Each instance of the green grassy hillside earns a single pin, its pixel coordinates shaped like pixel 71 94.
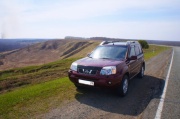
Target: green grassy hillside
pixel 30 91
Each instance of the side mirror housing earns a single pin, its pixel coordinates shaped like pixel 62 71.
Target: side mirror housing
pixel 88 54
pixel 133 58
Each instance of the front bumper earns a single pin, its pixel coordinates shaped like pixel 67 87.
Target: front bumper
pixel 99 80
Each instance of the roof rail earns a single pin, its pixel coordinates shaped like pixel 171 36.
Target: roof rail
pixel 132 42
pixel 106 42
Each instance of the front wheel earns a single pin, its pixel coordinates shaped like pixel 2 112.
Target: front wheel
pixel 123 88
pixel 79 87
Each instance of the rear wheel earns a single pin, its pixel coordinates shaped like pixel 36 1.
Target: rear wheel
pixel 141 73
pixel 123 88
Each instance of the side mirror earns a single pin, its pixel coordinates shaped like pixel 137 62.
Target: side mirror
pixel 133 58
pixel 88 54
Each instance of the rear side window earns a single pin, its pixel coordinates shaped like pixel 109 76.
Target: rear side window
pixel 140 49
pixel 132 52
pixel 137 50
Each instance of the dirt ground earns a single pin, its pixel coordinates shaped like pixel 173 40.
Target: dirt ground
pixel 105 104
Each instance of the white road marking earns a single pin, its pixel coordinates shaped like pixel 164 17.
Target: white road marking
pixel 161 103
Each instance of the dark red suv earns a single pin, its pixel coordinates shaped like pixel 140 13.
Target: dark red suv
pixel 111 64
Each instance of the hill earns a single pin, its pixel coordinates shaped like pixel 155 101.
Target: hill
pixel 52 50
pixel 46 52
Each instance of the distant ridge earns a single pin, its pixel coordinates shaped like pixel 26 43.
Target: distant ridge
pixel 168 43
pixel 158 42
pixel 12 44
pixel 75 38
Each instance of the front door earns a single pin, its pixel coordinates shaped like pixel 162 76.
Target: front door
pixel 132 63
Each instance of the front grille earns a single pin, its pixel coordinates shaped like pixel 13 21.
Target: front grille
pixel 88 69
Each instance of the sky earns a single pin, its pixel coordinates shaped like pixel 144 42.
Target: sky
pixel 130 19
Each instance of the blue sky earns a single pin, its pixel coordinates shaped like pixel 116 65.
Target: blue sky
pixel 137 19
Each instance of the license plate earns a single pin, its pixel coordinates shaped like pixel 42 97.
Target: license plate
pixel 91 83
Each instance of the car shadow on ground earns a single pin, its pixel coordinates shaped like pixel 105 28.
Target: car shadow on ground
pixel 140 93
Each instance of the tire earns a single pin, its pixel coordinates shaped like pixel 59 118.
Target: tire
pixel 79 87
pixel 123 88
pixel 141 73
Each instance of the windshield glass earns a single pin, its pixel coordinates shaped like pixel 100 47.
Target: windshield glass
pixel 109 52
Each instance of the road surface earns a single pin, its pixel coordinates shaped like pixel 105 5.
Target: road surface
pixel 171 108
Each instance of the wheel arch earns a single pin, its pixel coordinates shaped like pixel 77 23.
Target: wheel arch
pixel 126 74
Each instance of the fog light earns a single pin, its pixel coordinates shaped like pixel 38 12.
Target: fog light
pixel 109 83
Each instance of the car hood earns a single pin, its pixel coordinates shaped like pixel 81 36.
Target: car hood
pixel 98 62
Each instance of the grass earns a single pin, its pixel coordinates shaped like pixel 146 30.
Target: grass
pixel 153 51
pixel 58 65
pixel 34 90
pixel 13 78
pixel 35 97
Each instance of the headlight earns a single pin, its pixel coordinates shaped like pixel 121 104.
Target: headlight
pixel 108 70
pixel 73 66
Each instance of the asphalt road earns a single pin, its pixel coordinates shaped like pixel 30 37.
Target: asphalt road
pixel 171 108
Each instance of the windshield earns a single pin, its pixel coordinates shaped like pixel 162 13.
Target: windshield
pixel 109 52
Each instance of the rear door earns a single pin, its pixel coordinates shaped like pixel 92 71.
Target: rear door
pixel 139 55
